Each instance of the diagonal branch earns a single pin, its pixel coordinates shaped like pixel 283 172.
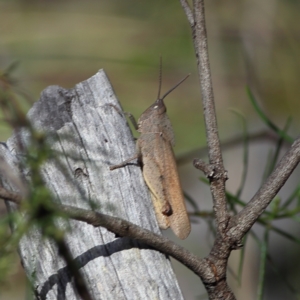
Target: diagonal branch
pixel 244 220
pixel 123 228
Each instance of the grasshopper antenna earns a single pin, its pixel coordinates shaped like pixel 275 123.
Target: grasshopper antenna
pixel 160 76
pixel 174 87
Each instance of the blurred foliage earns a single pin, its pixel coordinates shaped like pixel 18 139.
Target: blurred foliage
pixel 37 209
pixel 65 42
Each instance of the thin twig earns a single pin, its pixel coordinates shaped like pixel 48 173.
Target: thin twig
pixel 188 11
pixel 217 185
pixel 201 47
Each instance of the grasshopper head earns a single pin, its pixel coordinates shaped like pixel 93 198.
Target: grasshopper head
pixel 158 108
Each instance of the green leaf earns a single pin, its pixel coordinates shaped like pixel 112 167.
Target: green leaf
pixel 281 276
pixel 262 265
pixel 241 262
pixel 245 153
pixel 11 67
pixel 191 201
pixel 273 161
pixel 295 193
pixel 280 232
pixel 265 119
pixel 275 206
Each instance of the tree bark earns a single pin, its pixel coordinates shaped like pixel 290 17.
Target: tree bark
pixel 88 131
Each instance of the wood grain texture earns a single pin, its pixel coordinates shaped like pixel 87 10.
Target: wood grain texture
pixel 91 135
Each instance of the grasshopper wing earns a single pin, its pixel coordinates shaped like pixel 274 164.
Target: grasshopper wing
pixel 161 175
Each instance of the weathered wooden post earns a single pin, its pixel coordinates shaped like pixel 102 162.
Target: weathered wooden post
pixel 90 135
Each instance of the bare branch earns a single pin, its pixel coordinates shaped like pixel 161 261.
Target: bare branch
pixel 214 149
pixel 230 232
pixel 207 169
pixel 243 221
pixel 188 11
pixel 123 228
pixel 201 47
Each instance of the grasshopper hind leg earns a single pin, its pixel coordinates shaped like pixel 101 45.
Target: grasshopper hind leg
pixel 162 207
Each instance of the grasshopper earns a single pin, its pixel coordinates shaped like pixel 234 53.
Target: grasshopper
pixel 155 153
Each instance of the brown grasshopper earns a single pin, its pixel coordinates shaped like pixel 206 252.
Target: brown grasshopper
pixel 155 153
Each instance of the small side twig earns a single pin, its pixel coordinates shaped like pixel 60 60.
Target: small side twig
pixel 207 169
pixel 188 11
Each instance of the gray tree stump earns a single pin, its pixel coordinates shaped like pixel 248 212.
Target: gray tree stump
pixel 92 134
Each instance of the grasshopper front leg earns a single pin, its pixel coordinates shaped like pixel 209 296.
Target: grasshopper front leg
pixel 124 163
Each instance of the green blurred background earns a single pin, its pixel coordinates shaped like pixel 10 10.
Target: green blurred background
pixel 63 42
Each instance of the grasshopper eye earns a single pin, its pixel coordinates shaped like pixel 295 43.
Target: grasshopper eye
pixel 159 109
